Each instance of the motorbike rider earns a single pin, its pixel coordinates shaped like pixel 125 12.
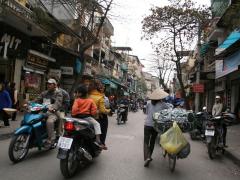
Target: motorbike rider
pixel 86 108
pixel 53 98
pixel 124 100
pixel 157 104
pixel 217 111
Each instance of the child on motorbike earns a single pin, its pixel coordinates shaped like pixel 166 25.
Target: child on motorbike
pixel 85 108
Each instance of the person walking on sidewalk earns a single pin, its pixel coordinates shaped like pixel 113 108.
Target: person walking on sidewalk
pixel 6 102
pixel 157 104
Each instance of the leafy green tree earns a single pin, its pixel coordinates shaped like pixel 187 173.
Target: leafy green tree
pixel 174 28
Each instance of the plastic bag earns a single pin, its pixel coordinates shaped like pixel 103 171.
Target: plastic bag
pixel 173 140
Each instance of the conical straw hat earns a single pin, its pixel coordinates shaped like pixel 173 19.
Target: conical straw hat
pixel 158 94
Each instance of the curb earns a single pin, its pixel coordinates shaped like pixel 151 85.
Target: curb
pixel 232 157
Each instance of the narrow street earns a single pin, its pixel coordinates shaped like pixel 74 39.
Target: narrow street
pixel 123 160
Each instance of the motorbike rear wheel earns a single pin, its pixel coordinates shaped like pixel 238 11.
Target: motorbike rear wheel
pixel 70 165
pixel 19 145
pixel 211 149
pixel 172 162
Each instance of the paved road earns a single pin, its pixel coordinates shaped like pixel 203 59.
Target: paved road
pixel 123 161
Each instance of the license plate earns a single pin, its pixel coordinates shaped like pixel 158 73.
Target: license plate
pixel 64 143
pixel 209 132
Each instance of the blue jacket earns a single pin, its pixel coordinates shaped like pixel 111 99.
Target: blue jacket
pixel 5 100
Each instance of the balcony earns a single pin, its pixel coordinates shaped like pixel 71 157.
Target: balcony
pixel 20 17
pixel 213 32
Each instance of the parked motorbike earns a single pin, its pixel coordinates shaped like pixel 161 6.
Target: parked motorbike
pixel 215 133
pixel 32 132
pixel 121 114
pixel 198 122
pixel 76 146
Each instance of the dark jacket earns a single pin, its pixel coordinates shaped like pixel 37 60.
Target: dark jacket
pixel 56 98
pixel 5 100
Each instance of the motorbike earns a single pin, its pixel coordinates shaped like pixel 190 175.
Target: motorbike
pixel 76 146
pixel 198 122
pixel 121 114
pixel 215 133
pixel 32 132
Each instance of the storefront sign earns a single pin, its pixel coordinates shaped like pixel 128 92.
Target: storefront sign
pixel 67 70
pixel 55 73
pixel 36 61
pixel 13 43
pixel 198 88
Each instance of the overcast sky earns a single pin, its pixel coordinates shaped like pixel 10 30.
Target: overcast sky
pixel 126 17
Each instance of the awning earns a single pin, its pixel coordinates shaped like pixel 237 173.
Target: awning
pixel 44 56
pixel 108 82
pixel 229 41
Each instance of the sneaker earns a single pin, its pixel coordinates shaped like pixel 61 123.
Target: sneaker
pixel 147 162
pixel 47 145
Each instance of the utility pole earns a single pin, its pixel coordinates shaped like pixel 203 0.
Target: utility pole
pixel 198 68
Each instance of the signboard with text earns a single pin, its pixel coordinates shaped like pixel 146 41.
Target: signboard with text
pixel 198 88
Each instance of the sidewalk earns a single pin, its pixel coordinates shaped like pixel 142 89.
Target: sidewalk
pixel 6 132
pixel 233 142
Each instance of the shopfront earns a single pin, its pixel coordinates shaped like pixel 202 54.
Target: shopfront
pixel 13 49
pixel 228 75
pixel 34 74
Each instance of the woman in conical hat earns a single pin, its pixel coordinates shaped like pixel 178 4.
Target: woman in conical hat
pixel 155 105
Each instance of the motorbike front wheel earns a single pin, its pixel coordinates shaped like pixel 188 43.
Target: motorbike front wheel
pixel 70 165
pixel 18 148
pixel 211 149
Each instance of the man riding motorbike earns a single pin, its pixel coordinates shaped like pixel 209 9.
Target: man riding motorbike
pixel 53 98
pixel 124 100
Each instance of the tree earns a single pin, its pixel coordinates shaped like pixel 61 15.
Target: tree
pixel 176 26
pixel 163 67
pixel 89 17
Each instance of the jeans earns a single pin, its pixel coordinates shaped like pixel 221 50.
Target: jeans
pixel 4 117
pixel 149 141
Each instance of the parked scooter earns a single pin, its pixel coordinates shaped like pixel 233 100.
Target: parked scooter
pixel 198 122
pixel 215 133
pixel 32 132
pixel 121 114
pixel 76 146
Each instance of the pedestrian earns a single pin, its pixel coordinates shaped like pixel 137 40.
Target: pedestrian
pixel 96 93
pixel 155 105
pixel 6 102
pixel 14 97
